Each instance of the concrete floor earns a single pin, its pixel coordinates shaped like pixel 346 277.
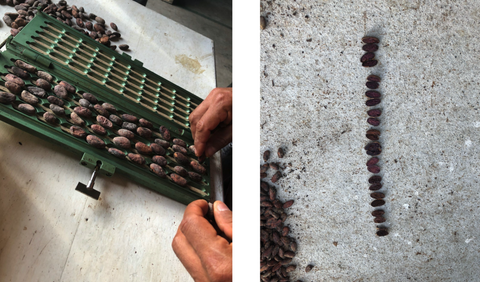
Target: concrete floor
pixel 214 23
pixel 313 103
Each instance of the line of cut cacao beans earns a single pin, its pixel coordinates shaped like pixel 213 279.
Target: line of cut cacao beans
pixel 73 16
pixel 277 248
pixel 374 148
pixel 368 59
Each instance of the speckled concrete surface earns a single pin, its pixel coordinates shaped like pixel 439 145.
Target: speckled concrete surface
pixel 313 103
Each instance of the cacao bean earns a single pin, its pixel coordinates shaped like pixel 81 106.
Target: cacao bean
pixel 98 129
pixel 78 132
pixel 83 112
pixel 276 176
pixel 144 132
pixel 291 268
pixel 159 160
pixel 372 161
pixel 158 170
pixel 179 142
pixel 59 111
pixel 165 133
pixel 114 26
pixel 373 121
pixel 76 119
pixel 70 88
pixel 105 40
pixel 375 186
pixel 382 232
pixel 45 76
pixel 123 47
pixel 20 22
pixel 37 91
pixel 126 133
pixel 373 134
pixel 374 78
pixel 377 203
pixel 378 213
pixel 15 79
pixel 373 169
pixel 143 148
pixel 80 22
pixel 308 268
pixel 195 176
pixel 115 119
pixel 60 91
pixel 29 98
pixel 180 171
pixel 263 175
pixel 370 39
pixel 55 100
pixel 13 87
pixel 198 167
pixel 84 103
pixel 26 109
pixel 93 35
pixel 145 123
pixel 42 83
pixel 50 118
pixel 181 159
pixel 157 149
pixel 100 20
pixel 103 121
pixel 280 153
pixel 101 110
pixel 14 32
pixel 163 143
pixel 373 102
pixel 178 179
pixel 379 219
pixel 367 57
pixel 122 142
pixel 264 168
pixel 373 148
pixel 99 28
pixel 130 126
pixel 377 195
pixel 136 158
pixel 92 99
pixel 109 107
pixel 180 149
pixel 117 153
pixel 372 84
pixel 287 204
pixel 374 112
pixel 8 21
pixel 89 26
pixel 370 47
pixel 129 118
pixel 20 72
pixel 375 179
pixel 6 98
pixel 370 63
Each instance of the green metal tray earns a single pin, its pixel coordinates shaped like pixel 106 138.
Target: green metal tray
pixel 71 56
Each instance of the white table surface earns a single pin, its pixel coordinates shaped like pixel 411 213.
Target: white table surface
pixel 50 232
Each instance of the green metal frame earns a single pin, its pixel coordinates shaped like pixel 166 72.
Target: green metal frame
pixel 18 48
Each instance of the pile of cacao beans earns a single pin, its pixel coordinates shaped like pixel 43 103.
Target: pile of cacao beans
pixel 277 248
pixel 88 23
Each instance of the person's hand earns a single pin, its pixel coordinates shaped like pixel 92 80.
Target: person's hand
pixel 211 122
pixel 205 255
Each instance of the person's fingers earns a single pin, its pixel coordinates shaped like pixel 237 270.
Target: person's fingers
pixel 186 254
pixel 196 208
pixel 210 120
pixel 219 139
pixel 195 116
pixel 223 218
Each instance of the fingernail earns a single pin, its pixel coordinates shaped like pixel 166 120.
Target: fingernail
pixel 222 207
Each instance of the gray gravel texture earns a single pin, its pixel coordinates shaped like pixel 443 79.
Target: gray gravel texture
pixel 313 104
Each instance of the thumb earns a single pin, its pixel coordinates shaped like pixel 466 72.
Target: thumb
pixel 223 218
